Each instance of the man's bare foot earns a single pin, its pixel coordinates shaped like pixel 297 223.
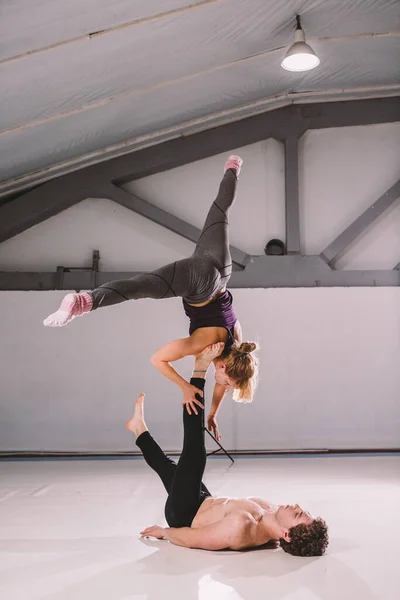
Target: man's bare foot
pixel 210 353
pixel 137 424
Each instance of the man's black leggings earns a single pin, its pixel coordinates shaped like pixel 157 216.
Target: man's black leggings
pixel 183 481
pixel 196 279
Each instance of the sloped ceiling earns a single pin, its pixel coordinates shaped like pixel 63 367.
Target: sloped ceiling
pixel 85 81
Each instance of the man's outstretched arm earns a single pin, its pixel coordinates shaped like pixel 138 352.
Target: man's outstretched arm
pixel 230 532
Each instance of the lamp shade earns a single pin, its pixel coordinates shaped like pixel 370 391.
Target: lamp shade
pixel 300 56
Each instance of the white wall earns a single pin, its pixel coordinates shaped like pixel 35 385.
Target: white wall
pixel 330 357
pixel 341 173
pixel 330 372
pixel 130 242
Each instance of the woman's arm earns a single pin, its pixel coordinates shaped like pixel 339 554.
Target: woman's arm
pixel 219 393
pixel 174 351
pixel 237 332
pixel 218 396
pixel 190 346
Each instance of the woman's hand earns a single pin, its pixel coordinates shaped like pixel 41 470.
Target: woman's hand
pixel 189 398
pixel 212 426
pixel 155 531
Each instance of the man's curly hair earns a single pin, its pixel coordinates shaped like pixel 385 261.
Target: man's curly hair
pixel 307 540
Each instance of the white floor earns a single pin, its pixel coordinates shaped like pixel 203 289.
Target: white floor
pixel 69 530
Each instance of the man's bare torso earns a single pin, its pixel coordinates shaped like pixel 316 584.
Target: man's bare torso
pixel 243 515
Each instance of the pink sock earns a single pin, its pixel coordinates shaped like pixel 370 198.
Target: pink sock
pixel 234 162
pixel 73 305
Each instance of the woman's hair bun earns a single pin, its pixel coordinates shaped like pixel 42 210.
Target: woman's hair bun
pixel 247 347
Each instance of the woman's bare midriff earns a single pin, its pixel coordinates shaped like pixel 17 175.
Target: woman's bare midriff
pixel 213 509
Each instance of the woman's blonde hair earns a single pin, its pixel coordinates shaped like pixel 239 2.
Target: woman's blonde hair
pixel 242 366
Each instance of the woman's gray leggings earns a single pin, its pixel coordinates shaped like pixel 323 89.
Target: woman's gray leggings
pixel 197 278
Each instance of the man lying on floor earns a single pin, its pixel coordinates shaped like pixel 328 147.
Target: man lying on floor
pixel 197 519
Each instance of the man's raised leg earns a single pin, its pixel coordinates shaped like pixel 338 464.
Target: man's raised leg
pixel 152 453
pixel 187 490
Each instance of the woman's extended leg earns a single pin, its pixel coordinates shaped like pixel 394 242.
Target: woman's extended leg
pixel 197 278
pixel 214 238
pixel 182 278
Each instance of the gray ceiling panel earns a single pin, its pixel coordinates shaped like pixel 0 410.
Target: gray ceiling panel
pixel 67 138
pixel 43 23
pixel 28 26
pixel 115 122
pixel 95 70
pixel 165 68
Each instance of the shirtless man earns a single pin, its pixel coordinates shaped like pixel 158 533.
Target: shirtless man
pixel 197 519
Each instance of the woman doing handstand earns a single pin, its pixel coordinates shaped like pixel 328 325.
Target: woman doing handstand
pixel 201 281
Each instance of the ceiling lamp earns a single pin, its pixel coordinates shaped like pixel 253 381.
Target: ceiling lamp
pixel 300 56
